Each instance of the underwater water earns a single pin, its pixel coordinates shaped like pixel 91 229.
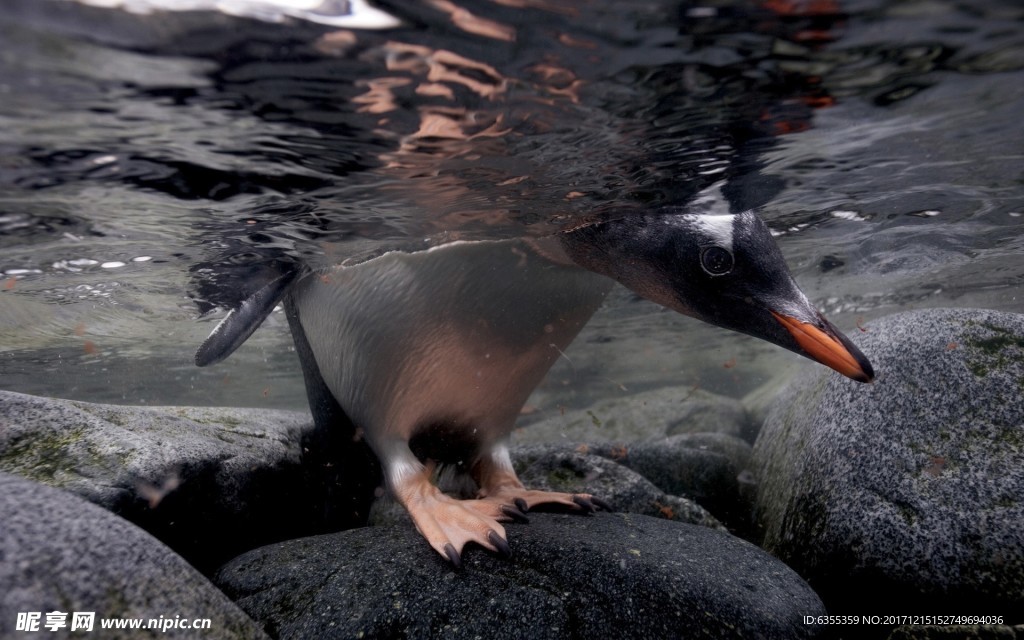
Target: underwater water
pixel 152 164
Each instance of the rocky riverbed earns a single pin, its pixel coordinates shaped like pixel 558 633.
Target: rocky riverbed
pixel 757 518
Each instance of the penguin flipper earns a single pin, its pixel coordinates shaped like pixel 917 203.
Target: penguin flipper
pixel 240 323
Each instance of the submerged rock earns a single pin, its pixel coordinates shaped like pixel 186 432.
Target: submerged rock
pixel 604 576
pixel 648 415
pixel 209 482
pixel 708 468
pixel 556 468
pixel 59 553
pixel 909 491
pixel 759 401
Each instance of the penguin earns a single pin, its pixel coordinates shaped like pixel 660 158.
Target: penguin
pixel 431 354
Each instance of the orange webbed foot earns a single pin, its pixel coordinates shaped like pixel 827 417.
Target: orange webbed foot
pixel 449 524
pixel 500 485
pixel 527 499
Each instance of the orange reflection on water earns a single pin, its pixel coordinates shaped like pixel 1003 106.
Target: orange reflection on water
pixel 440 65
pixel 379 97
pixel 470 23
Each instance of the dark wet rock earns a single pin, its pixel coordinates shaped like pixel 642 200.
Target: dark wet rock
pixel 909 490
pixel 557 468
pixel 707 468
pixel 736 450
pixel 61 553
pixel 648 415
pixel 680 466
pixel 603 576
pixel 209 482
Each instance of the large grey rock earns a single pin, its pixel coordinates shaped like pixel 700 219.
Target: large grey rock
pixel 209 482
pixel 603 576
pixel 61 553
pixel 909 490
pixel 648 415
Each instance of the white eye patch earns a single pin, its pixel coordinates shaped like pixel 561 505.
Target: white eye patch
pixel 716 227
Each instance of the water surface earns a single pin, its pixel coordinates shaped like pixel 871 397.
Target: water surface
pixel 151 164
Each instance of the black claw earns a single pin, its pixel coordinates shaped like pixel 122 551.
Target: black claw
pixel 601 504
pixel 583 503
pixel 514 513
pixel 453 555
pixel 521 503
pixel 499 543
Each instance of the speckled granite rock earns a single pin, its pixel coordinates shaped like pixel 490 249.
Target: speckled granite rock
pixel 649 415
pixel 603 576
pixel 61 553
pixel 909 491
pixel 209 482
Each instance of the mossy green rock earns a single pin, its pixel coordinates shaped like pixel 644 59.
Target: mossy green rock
pixel 908 492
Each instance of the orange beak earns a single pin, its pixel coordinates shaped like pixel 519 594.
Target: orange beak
pixel 832 350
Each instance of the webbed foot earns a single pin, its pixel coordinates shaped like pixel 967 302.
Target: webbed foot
pixel 500 485
pixel 527 499
pixel 449 524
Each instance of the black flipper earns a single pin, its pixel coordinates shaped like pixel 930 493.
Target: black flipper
pixel 239 324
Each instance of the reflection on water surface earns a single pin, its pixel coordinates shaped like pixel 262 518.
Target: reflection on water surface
pixel 154 161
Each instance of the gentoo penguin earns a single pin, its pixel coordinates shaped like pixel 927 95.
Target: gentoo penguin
pixel 431 354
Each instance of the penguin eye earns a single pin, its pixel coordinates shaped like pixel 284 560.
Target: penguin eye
pixel 716 261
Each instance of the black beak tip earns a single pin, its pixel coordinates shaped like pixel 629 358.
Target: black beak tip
pixel 868 372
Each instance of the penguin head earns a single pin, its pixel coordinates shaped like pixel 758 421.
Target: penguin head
pixel 726 270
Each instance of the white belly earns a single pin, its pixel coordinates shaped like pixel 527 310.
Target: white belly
pixel 454 337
